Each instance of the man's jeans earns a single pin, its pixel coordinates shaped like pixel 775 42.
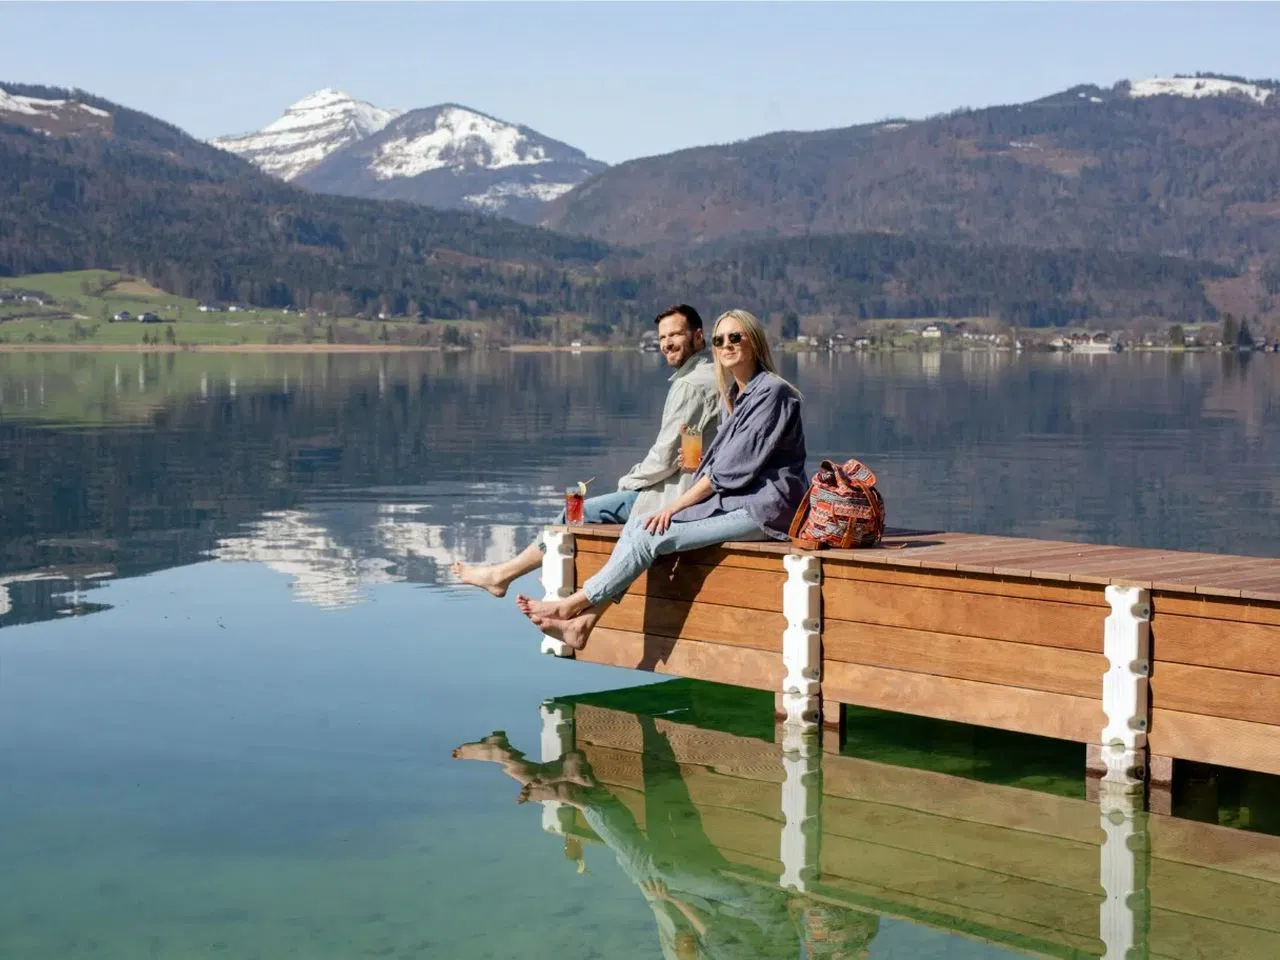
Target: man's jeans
pixel 607 508
pixel 636 549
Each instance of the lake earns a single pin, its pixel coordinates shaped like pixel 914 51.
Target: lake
pixel 234 668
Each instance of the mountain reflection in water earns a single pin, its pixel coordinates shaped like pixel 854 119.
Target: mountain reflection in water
pixel 742 847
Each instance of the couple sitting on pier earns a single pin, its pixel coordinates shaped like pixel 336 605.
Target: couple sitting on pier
pixel 748 486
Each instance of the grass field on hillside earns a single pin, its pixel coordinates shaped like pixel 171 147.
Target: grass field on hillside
pixel 82 303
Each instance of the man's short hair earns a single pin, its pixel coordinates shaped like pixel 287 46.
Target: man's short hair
pixel 690 315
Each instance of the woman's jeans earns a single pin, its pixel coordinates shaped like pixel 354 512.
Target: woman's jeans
pixel 636 549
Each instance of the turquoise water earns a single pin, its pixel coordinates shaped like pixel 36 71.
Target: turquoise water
pixel 233 669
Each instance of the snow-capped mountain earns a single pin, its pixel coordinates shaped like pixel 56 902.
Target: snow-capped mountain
pixel 309 131
pixel 443 156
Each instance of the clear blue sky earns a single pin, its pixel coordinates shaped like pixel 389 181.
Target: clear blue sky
pixel 621 80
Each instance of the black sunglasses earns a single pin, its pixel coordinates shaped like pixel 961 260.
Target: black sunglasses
pixel 718 340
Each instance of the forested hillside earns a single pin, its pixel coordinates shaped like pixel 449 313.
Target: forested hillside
pixel 1183 175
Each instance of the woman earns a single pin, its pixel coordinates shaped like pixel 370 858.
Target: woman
pixel 748 487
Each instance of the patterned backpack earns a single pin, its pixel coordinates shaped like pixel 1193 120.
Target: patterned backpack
pixel 842 509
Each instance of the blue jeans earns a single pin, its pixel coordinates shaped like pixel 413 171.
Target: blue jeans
pixel 637 548
pixel 607 508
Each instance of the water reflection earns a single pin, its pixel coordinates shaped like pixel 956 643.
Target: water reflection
pixel 332 553
pixel 744 847
pixel 345 471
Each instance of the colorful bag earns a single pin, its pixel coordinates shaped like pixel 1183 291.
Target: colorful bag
pixel 842 509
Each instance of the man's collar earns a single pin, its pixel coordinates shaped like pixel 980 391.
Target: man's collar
pixel 693 361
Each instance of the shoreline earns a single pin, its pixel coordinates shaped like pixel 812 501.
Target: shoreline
pixel 219 348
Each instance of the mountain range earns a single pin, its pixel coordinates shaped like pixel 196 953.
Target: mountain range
pixel 1186 166
pixel 446 156
pixel 1155 199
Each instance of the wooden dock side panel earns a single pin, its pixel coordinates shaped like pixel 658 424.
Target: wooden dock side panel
pixel 965 701
pixel 740 666
pixel 931 647
pixel 1215 680
pixel 992 631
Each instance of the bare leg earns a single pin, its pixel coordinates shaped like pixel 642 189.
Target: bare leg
pixel 496 577
pixel 562 791
pixel 570 606
pixel 574 632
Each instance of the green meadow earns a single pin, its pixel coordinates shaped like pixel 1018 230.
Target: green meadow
pixel 82 303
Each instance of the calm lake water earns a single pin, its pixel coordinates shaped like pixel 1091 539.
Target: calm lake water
pixel 233 668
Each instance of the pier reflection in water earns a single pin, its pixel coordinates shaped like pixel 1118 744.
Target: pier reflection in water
pixel 747 847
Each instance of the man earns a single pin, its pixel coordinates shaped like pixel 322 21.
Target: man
pixel 657 480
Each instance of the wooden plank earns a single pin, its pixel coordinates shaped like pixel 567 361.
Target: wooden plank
pixel 717 662
pixel 941 580
pixel 1226 644
pixel 742 757
pixel 1227 743
pixel 1185 935
pixel 1232 899
pixel 966 701
pixel 940 794
pixel 968 922
pixel 712 789
pixel 1221 849
pixel 613 767
pixel 1216 693
pixel 677 579
pixel 708 622
pixel 1024 665
pixel 959 888
pixel 1038 857
pixel 1016 619
pixel 1240 611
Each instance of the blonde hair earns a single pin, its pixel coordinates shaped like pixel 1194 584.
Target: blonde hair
pixel 753 330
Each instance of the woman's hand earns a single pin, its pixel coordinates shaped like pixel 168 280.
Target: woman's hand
pixel 657 523
pixel 680 461
pixel 656 889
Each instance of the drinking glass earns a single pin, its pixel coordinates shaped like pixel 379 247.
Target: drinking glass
pixel 573 501
pixel 691 447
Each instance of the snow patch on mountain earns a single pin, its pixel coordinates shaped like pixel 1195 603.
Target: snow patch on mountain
pixel 500 195
pixel 35 107
pixel 1197 87
pixel 309 131
pixel 460 139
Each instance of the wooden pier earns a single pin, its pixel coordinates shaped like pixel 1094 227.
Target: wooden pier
pixel 1044 874
pixel 1146 656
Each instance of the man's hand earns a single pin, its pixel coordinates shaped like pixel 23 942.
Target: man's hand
pixel 680 461
pixel 657 523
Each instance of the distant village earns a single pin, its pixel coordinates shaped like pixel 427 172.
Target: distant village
pixel 835 335
pixel 980 334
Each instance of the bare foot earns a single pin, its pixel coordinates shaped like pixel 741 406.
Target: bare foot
pixel 554 609
pixel 494 748
pixel 479 575
pixel 572 632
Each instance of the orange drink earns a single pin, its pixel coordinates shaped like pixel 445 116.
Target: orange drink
pixel 691 447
